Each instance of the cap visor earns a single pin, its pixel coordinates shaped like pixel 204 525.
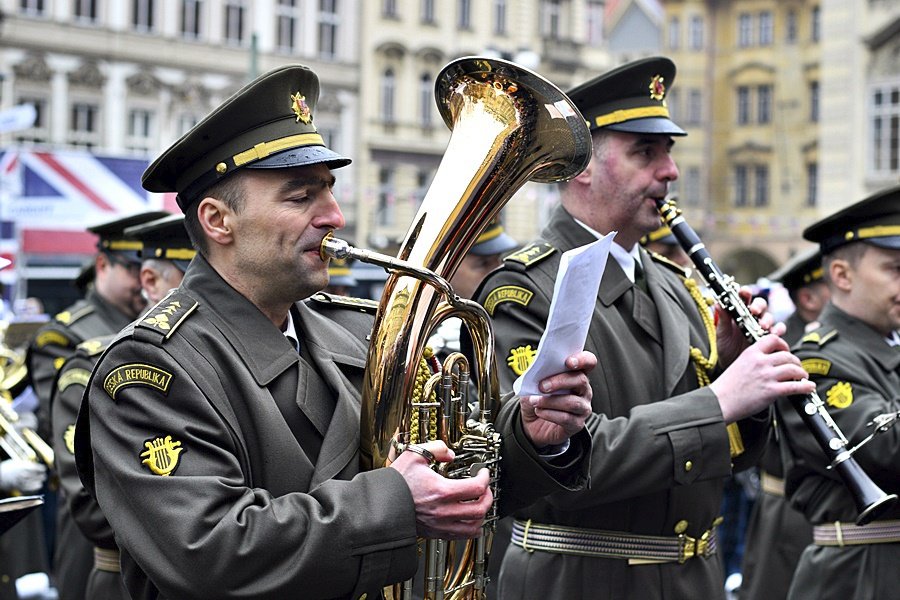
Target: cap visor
pixel 300 157
pixel 498 245
pixel 655 125
pixel 892 243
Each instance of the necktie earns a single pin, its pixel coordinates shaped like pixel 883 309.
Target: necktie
pixel 640 280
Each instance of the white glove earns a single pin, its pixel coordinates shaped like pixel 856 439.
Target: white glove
pixel 27 420
pixel 22 475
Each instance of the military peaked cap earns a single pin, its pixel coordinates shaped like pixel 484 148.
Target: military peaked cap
pixel 803 269
pixel 629 98
pixel 663 235
pixel 875 220
pixel 267 124
pixel 493 240
pixel 165 238
pixel 339 273
pixel 112 239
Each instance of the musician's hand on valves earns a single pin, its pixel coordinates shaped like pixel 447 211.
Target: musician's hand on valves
pixel 445 508
pixel 553 418
pixel 761 374
pixel 731 341
pixel 22 475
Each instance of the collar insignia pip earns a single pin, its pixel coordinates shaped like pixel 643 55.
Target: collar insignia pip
pixel 301 108
pixel 520 359
pixel 840 395
pixel 161 455
pixel 658 87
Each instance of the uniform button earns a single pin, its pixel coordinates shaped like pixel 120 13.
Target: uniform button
pixel 681 526
pixel 688 466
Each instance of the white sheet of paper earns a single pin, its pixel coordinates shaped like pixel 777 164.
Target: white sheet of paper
pixel 574 297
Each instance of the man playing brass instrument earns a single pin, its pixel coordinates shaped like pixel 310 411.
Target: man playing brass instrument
pixel 220 432
pixel 646 527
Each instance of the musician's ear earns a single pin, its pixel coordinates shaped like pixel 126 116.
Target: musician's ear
pixel 840 273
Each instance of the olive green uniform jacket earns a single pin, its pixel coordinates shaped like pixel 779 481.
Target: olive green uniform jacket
pixel 777 532
pixel 660 447
pixel 83 510
pixel 187 442
pixel 56 341
pixel 856 375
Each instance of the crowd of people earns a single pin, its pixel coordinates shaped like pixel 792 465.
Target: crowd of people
pixel 203 400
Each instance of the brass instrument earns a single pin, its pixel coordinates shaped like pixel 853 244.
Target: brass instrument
pixel 509 125
pixel 24 443
pixel 871 501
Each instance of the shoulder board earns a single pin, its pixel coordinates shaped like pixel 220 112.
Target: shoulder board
pixel 350 302
pixel 168 314
pixel 95 346
pixel 531 255
pixel 672 266
pixel 819 337
pixel 67 317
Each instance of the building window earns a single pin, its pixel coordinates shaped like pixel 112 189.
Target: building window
pixel 765 28
pixel 191 12
pixel 388 90
pixel 386 197
pixel 389 9
pixel 142 15
pixel 464 18
pixel 743 105
pixel 84 124
pixel 500 17
pixel 695 107
pixel 426 100
pixel 885 111
pixel 674 33
pixel 761 187
pixel 141 130
pixel 764 104
pixel 790 28
pixel 673 102
pixel 595 23
pixel 34 8
pixel 815 24
pixel 328 28
pixel 745 30
pixel 691 196
pixel 428 12
pixel 39 132
pixel 186 122
pixel 812 190
pixel 695 33
pixel 740 186
pixel 235 16
pixel 287 19
pixel 85 11
pixel 814 101
pixel 550 19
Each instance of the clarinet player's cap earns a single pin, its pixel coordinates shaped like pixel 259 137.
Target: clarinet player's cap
pixel 874 220
pixel 267 124
pixel 630 98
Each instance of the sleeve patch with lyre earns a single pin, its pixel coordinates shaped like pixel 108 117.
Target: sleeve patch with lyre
pixel 520 359
pixel 161 455
pixel 840 395
pixel 816 366
pixel 507 293
pixel 73 377
pixel 137 374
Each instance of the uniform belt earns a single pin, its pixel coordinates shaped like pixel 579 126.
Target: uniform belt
pixel 771 485
pixel 850 534
pixel 106 559
pixel 638 549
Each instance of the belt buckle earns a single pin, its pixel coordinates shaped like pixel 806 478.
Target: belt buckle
pixel 690 547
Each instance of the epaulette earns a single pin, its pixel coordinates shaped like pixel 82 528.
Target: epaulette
pixel 67 318
pixel 95 346
pixel 531 255
pixel 669 264
pixel 819 337
pixel 360 304
pixel 168 314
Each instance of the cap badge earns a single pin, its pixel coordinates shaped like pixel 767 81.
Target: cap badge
pixel 657 87
pixel 161 455
pixel 301 108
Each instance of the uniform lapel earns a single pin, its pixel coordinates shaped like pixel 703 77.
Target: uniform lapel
pixel 676 340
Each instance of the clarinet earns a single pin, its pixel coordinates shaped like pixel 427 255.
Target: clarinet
pixel 871 501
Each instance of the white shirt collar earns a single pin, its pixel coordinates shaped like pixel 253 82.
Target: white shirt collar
pixel 893 339
pixel 625 258
pixel 290 332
